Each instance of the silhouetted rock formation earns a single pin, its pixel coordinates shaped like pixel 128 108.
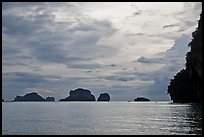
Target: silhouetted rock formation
pixel 29 97
pixel 187 84
pixel 104 97
pixel 79 95
pixel 141 99
pixel 50 99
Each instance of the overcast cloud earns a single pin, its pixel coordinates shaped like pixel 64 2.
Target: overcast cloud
pixel 127 49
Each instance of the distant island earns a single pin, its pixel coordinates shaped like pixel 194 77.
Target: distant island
pixel 32 97
pixel 104 97
pixel 29 97
pixel 79 94
pixel 50 99
pixel 141 99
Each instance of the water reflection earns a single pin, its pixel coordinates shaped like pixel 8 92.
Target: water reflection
pixel 195 117
pixel 188 120
pixel 111 118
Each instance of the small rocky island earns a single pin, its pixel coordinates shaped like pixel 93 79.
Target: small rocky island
pixel 29 97
pixel 50 99
pixel 32 97
pixel 79 94
pixel 141 99
pixel 104 97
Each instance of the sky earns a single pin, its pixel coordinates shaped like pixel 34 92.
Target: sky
pixel 126 49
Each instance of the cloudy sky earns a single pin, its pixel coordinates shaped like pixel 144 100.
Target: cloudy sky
pixel 127 49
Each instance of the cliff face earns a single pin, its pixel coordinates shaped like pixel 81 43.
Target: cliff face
pixel 194 60
pixel 187 84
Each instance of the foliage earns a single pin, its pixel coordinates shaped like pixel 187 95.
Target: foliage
pixel 186 86
pixel 181 87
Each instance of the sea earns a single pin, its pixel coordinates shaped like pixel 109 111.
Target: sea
pixel 101 118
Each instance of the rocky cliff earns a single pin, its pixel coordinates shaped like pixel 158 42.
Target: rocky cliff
pixel 50 99
pixel 104 97
pixel 141 99
pixel 187 84
pixel 79 95
pixel 29 97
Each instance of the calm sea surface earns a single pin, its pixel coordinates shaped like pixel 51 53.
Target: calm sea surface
pixel 101 118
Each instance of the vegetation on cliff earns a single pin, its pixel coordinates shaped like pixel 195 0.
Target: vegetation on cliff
pixel 186 86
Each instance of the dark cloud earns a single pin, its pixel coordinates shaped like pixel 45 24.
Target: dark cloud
pixel 139 12
pixel 189 23
pixel 84 65
pixel 12 24
pixel 170 26
pixel 38 38
pixel 13 63
pixel 154 35
pixel 135 34
pixel 119 78
pixel 83 27
pixel 88 71
pixel 149 60
pixel 112 65
pixel 139 34
pixel 34 37
pixel 181 30
pixel 66 44
pixel 23 77
pixel 18 25
pixel 51 53
pixel 123 76
pixel 8 50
